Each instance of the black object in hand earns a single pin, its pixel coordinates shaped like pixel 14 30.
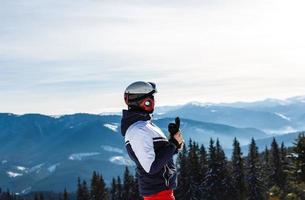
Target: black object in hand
pixel 173 128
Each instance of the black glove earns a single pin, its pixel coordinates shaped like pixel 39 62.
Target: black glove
pixel 173 128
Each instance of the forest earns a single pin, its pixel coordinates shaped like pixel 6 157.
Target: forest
pixel 276 173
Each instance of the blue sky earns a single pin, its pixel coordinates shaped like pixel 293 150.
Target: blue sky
pixel 69 56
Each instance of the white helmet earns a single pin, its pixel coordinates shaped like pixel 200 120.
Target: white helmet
pixel 140 94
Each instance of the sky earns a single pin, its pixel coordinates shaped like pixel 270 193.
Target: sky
pixel 68 56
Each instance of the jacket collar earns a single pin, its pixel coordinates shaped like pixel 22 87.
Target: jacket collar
pixel 131 116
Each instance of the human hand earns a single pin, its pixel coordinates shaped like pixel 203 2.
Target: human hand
pixel 173 128
pixel 175 134
pixel 179 138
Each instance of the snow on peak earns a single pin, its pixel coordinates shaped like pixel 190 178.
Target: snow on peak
pixel 52 168
pixel 56 116
pixel 21 168
pixel 37 168
pixel 120 160
pixel 80 156
pixel 111 149
pixel 296 99
pixel 197 103
pixel 110 113
pixel 13 174
pixel 113 126
pixel 283 116
pixel 26 190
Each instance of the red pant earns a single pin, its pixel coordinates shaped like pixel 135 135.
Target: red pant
pixel 163 195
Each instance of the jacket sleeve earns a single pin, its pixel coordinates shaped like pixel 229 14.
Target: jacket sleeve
pixel 162 157
pixel 143 147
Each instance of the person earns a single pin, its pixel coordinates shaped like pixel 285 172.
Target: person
pixel 147 145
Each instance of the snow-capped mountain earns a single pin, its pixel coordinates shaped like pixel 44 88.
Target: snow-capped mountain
pixel 39 152
pixel 238 117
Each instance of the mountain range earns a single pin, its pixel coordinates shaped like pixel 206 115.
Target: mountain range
pixel 40 152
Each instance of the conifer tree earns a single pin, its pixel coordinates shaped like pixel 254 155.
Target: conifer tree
pixel 193 167
pixel 103 188
pixel 113 190
pixel 94 192
pixel 277 175
pixel 210 181
pixel 256 189
pixel 203 163
pixel 238 174
pixel 66 197
pixel 225 188
pixel 283 154
pixel 36 197
pixel 135 189
pixel 86 194
pixel 127 184
pixel 266 168
pixel 299 150
pixel 296 168
pixel 119 188
pixel 183 189
pixel 80 193
pixel 285 168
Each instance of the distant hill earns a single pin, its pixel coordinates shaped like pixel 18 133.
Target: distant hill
pixel 288 140
pixel 238 117
pixel 39 152
pixel 202 131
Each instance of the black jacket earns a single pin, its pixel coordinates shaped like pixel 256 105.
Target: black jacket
pixel 148 147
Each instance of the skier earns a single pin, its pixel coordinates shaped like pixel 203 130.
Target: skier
pixel 147 145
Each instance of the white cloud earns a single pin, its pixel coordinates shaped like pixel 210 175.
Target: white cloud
pixel 72 56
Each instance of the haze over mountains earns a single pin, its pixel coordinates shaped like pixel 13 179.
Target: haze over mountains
pixel 39 152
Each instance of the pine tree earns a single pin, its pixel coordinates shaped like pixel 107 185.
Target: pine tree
pixel 210 181
pixel 266 168
pixel 295 172
pixel 277 174
pixel 113 190
pixel 36 197
pixel 183 189
pixel 256 189
pixel 285 168
pixel 299 150
pixel 80 193
pixel 193 167
pixel 119 188
pixel 135 189
pixel 238 174
pixel 66 197
pixel 94 193
pixel 203 163
pixel 283 154
pixel 103 192
pixel 225 188
pixel 127 184
pixel 86 194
